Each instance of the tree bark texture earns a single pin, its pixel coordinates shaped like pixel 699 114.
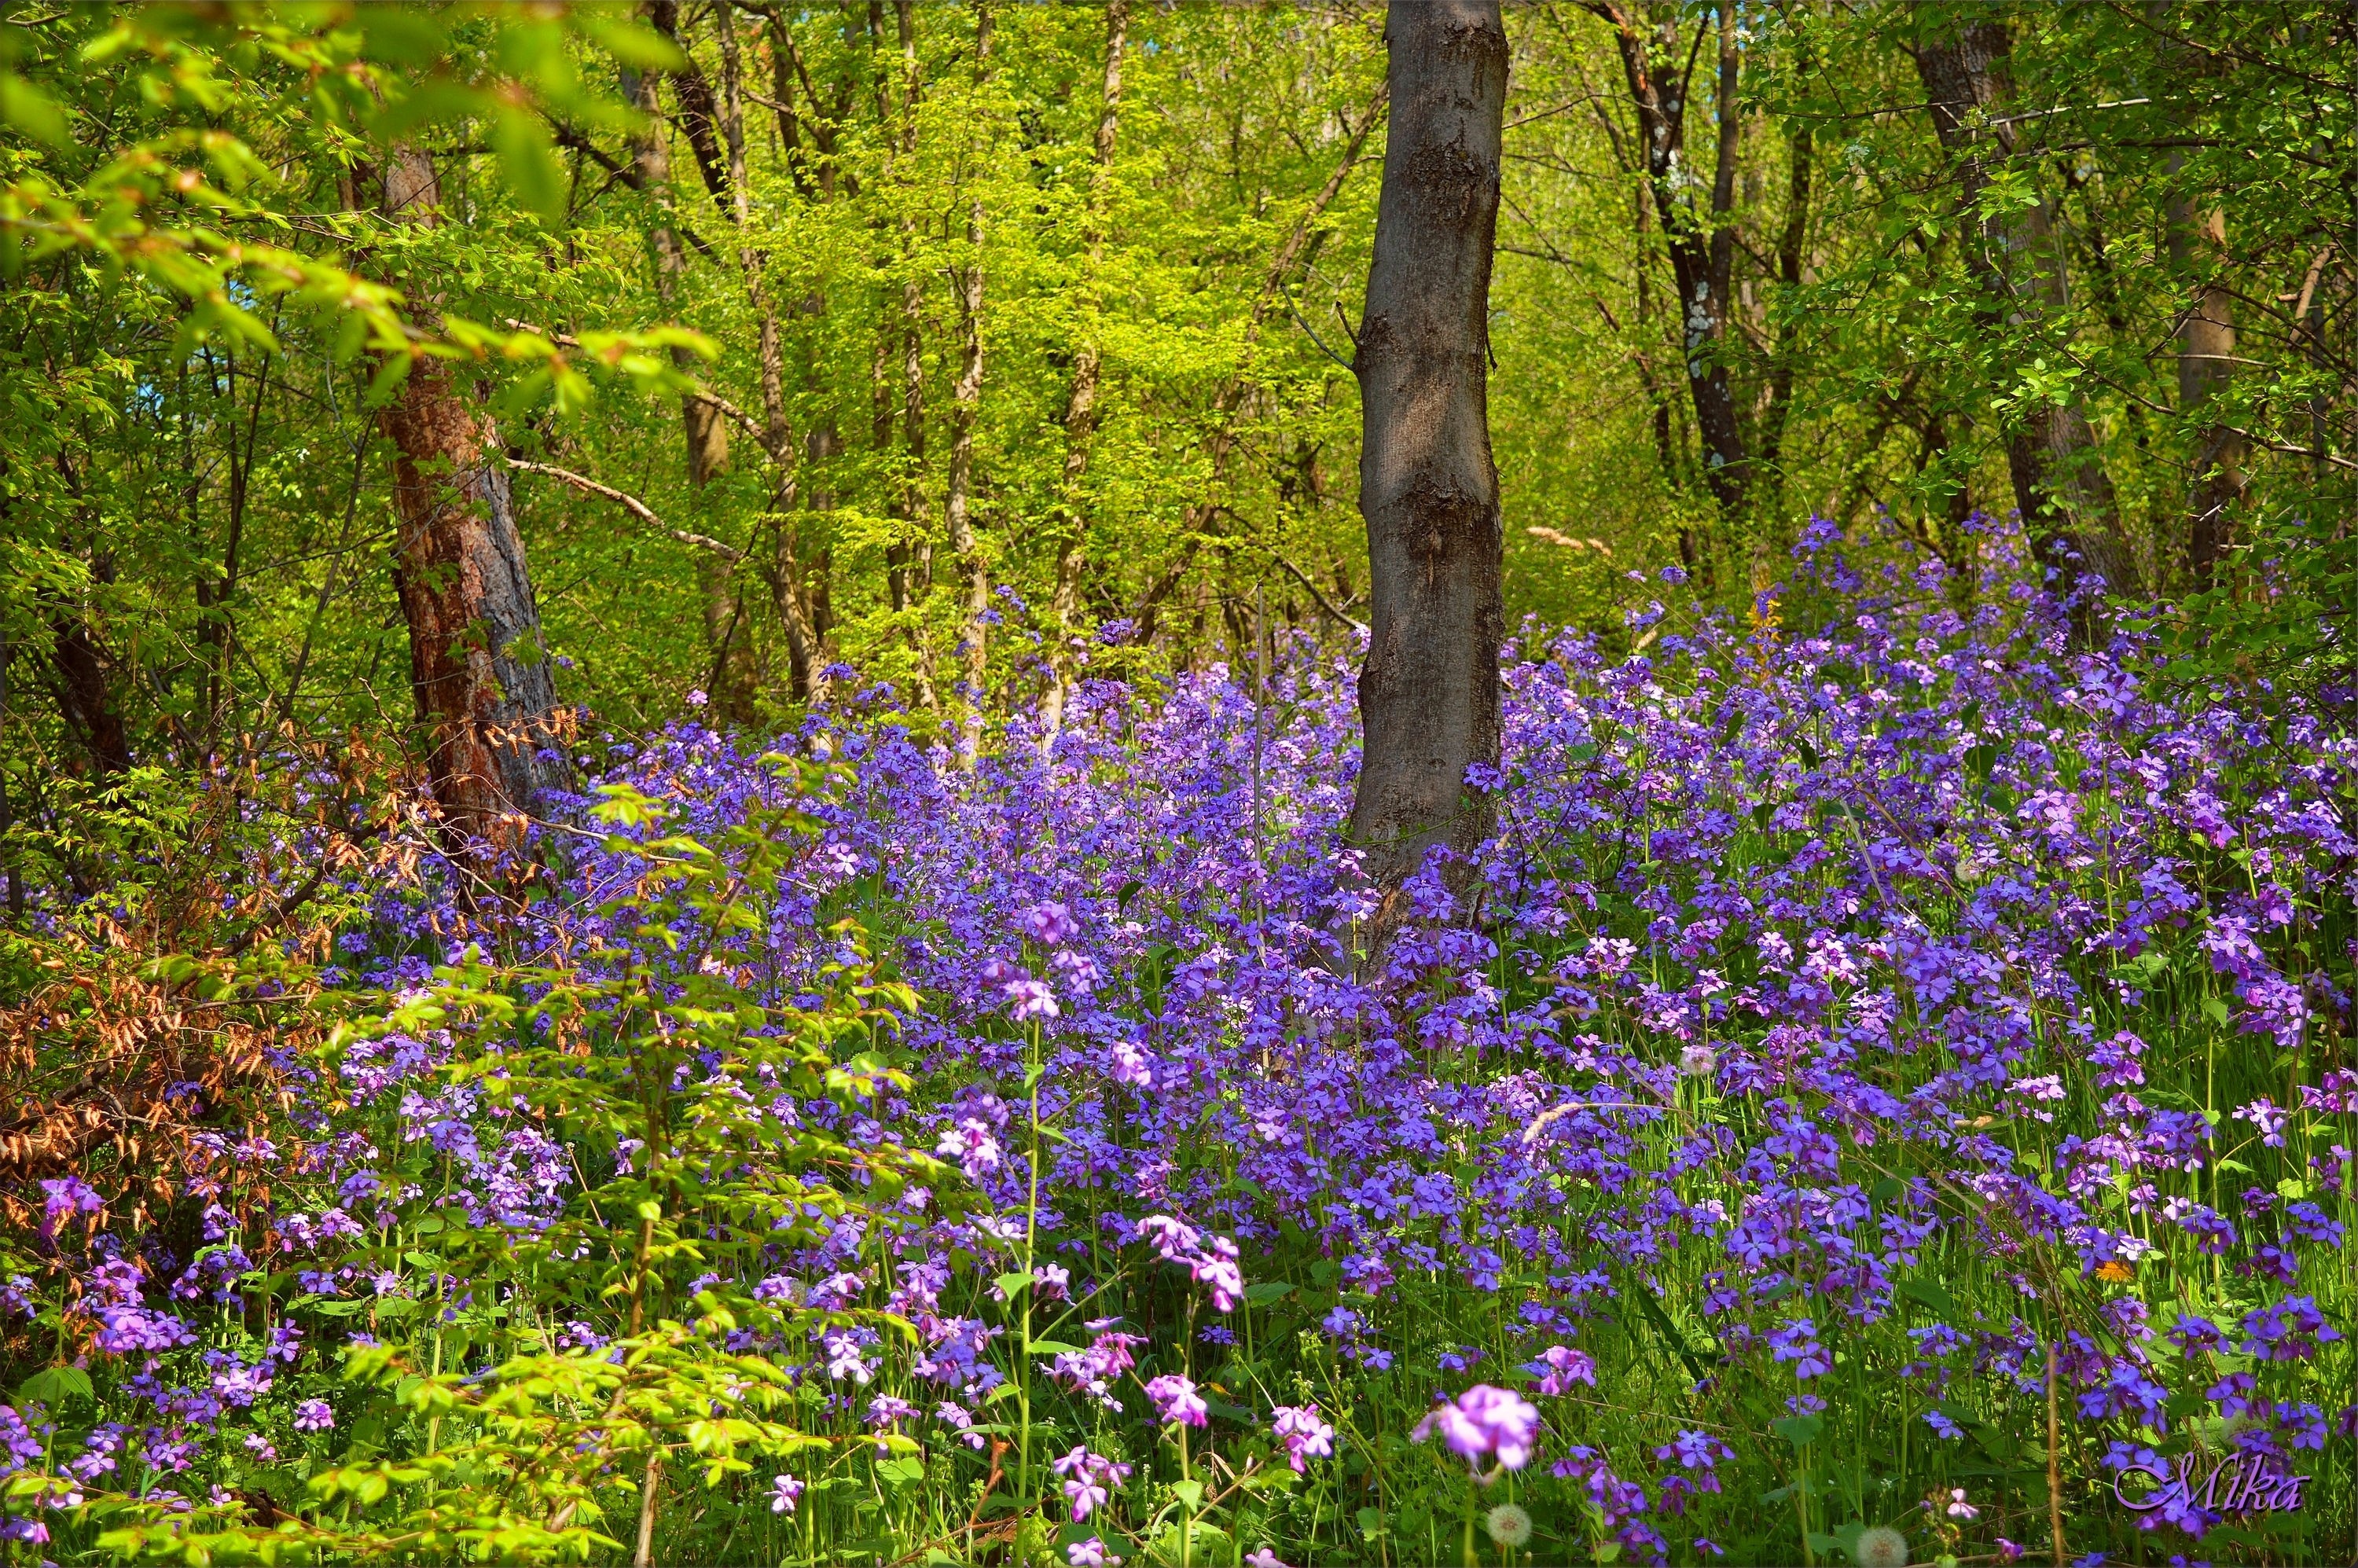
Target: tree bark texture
pixel 478 668
pixel 1429 692
pixel 2066 497
pixel 2206 362
pixel 1081 403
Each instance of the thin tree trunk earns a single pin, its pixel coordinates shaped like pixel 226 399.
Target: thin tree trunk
pixel 478 667
pixel 807 670
pixel 1081 404
pixel 2067 502
pixel 917 550
pixel 1769 532
pixel 2206 359
pixel 728 640
pixel 1703 252
pixel 1429 693
pixel 697 112
pixel 966 407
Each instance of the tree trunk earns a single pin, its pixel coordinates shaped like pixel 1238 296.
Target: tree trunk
pixel 2067 502
pixel 727 641
pixel 1081 404
pixel 1702 251
pixel 806 677
pixel 87 697
pixel 2206 361
pixel 697 112
pixel 1429 693
pixel 966 407
pixel 478 666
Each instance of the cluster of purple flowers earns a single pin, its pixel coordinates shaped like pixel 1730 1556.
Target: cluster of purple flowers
pixel 1793 962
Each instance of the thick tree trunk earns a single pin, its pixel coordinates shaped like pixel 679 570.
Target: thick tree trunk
pixel 2206 361
pixel 2067 500
pixel 1429 693
pixel 478 668
pixel 1081 403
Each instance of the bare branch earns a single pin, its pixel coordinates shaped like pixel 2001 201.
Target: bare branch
pixel 631 504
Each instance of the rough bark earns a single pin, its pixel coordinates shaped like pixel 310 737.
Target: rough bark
pixel 86 696
pixel 1081 403
pixel 479 669
pixel 2066 497
pixel 2206 361
pixel 1429 692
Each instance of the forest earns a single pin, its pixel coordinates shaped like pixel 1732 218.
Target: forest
pixel 1198 784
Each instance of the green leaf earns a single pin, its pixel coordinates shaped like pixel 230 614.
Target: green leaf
pixel 1268 1291
pixel 2215 1010
pixel 1189 1492
pixel 54 1383
pixel 903 1472
pixel 528 161
pixel 1931 1294
pixel 1012 1282
pixel 1800 1430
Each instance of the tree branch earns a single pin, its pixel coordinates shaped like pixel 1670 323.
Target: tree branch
pixel 631 504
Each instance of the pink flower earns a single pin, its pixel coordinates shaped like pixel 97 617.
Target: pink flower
pixel 1486 1420
pixel 1306 1435
pixel 1564 1366
pixel 1175 1399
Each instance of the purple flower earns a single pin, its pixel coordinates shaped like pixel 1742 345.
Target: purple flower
pixel 1797 1341
pixel 1175 1399
pixel 1559 1366
pixel 1484 1421
pixel 1089 1480
pixel 1050 925
pixel 785 1492
pixel 1305 1434
pixel 314 1416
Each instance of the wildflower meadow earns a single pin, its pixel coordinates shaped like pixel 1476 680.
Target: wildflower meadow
pixel 1882 1089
